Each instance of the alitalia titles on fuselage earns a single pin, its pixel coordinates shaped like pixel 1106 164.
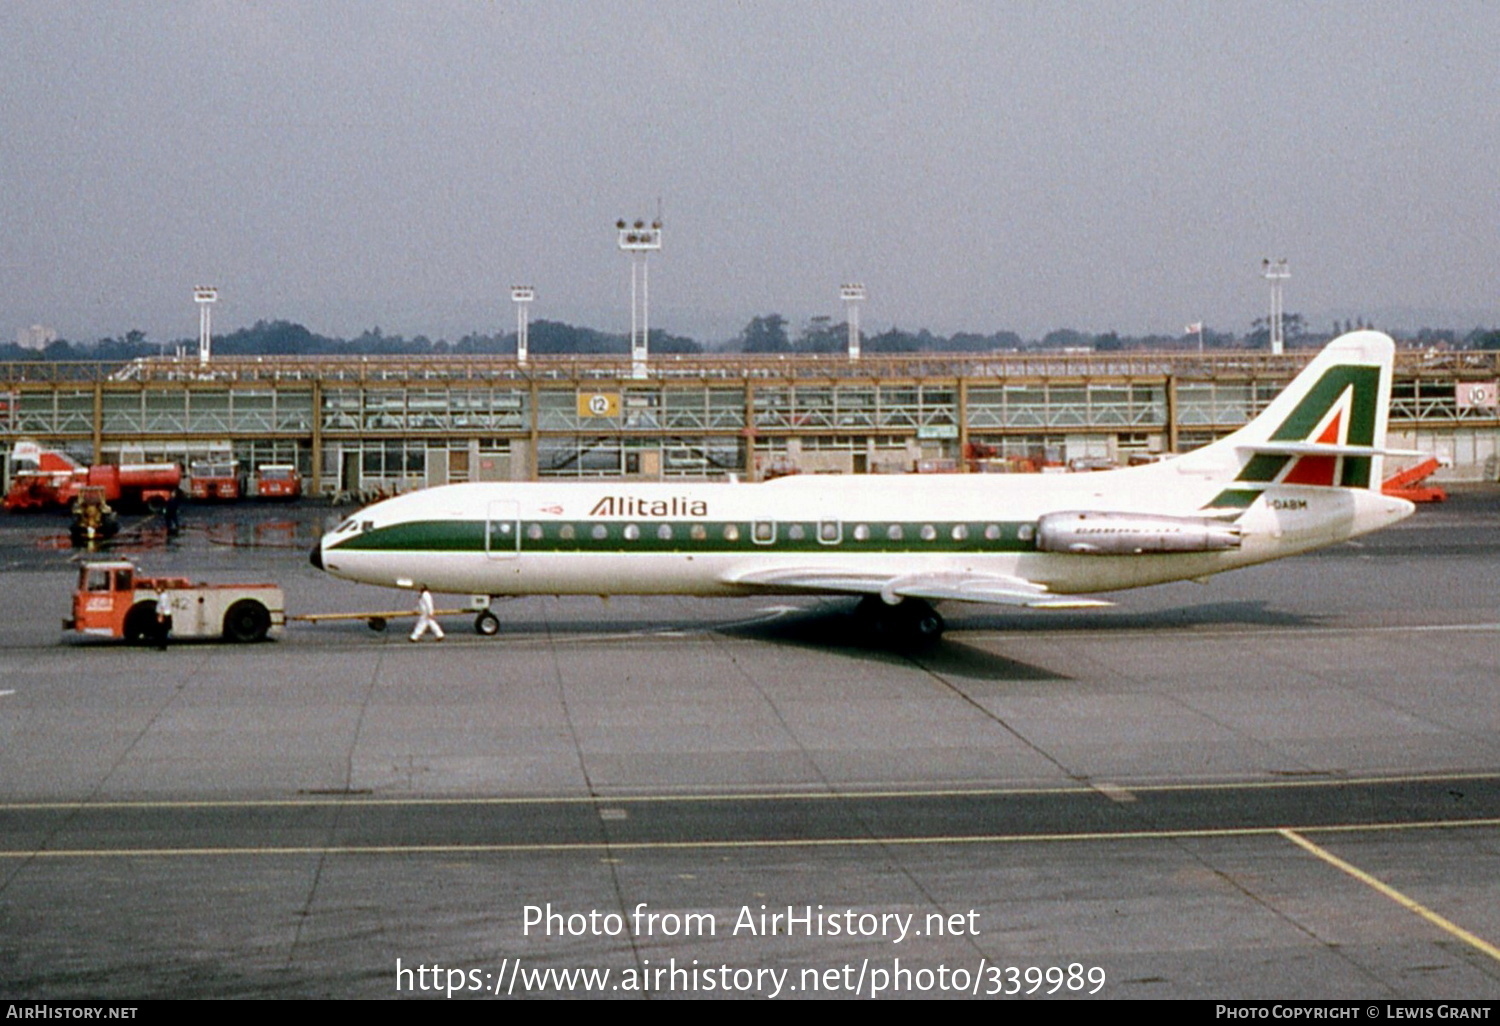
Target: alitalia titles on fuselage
pixel 632 506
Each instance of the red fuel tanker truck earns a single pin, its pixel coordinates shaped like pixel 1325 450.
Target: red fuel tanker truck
pixel 49 479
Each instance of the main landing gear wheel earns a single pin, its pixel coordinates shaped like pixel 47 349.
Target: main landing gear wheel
pixel 911 623
pixel 486 624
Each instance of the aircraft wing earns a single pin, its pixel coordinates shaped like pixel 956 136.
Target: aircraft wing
pixel 990 588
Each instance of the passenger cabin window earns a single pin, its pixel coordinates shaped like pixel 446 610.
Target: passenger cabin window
pixel 664 532
pixel 1025 532
pixel 960 532
pixel 731 532
pixel 534 532
pixel 861 532
pixel 566 532
pixel 632 532
pixel 894 532
pixel 929 533
pixel 698 532
pixel 795 532
pixel 600 532
pixel 992 532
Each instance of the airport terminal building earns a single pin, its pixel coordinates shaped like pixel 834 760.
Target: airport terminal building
pixel 372 425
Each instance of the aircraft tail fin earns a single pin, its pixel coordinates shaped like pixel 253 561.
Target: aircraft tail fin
pixel 1327 428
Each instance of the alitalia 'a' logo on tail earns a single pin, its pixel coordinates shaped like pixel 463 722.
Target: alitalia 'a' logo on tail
pixel 1340 409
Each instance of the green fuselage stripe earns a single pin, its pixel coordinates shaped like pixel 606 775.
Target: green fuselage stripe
pixel 733 536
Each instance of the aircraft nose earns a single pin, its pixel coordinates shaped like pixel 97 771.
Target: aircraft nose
pixel 315 557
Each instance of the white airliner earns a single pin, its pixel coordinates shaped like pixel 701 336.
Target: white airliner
pixel 1304 473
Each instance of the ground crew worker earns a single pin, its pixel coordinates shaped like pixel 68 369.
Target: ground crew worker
pixel 425 620
pixel 163 618
pixel 169 513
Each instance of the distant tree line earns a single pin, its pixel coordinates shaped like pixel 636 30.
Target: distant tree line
pixel 764 334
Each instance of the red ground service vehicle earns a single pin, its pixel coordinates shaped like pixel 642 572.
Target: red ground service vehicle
pixel 113 601
pixel 278 481
pixel 215 480
pixel 47 478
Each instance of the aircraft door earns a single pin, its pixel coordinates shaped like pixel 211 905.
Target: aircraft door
pixel 502 529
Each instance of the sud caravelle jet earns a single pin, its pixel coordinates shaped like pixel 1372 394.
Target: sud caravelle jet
pixel 1304 473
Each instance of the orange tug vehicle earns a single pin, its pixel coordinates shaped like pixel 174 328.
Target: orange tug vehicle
pixel 112 600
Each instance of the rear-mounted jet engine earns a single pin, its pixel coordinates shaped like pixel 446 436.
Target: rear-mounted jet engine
pixel 1131 534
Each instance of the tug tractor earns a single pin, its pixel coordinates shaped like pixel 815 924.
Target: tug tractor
pixel 112 600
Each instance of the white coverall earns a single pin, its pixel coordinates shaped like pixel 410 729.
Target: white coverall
pixel 425 620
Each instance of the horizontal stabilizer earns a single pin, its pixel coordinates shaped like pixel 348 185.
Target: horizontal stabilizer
pixel 1324 449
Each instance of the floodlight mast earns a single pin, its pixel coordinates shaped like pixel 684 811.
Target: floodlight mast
pixel 521 295
pixel 852 295
pixel 205 296
pixel 639 241
pixel 1276 273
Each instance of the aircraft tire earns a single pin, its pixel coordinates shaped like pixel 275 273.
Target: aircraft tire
pixel 486 624
pixel 912 623
pixel 918 624
pixel 376 624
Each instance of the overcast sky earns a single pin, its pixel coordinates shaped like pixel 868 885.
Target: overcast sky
pixel 978 166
